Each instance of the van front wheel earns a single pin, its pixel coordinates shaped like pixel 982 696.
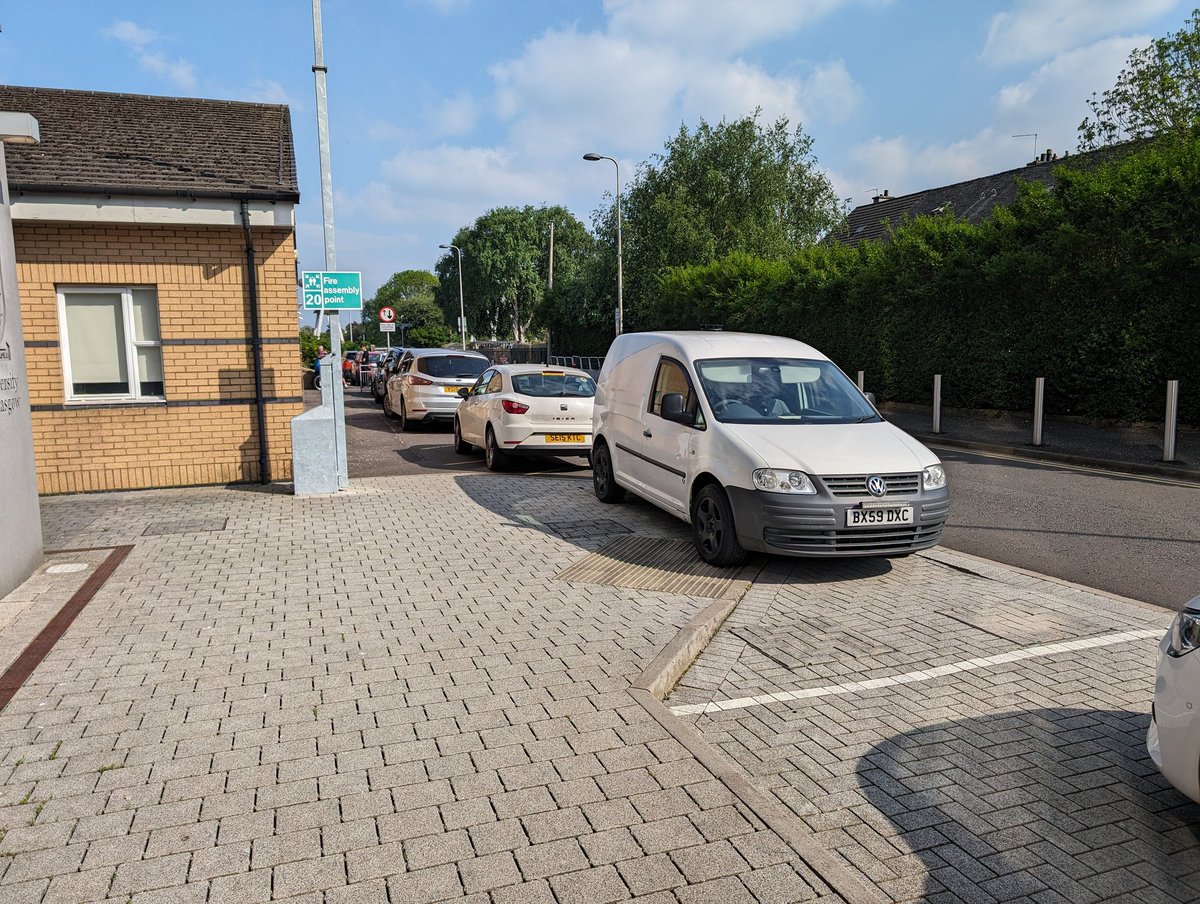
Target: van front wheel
pixel 603 481
pixel 713 531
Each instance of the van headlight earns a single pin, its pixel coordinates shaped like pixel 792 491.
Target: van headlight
pixel 1184 633
pixel 934 477
pixel 773 480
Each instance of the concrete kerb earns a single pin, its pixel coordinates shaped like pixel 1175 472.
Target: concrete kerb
pixel 653 685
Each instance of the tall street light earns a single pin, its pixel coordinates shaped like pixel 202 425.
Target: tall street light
pixel 620 277
pixel 462 314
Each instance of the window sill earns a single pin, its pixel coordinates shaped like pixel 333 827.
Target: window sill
pixel 114 403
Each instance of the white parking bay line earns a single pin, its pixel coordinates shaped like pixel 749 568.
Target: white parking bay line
pixel 970 665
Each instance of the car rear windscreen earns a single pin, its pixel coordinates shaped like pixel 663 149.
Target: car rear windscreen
pixel 550 383
pixel 450 366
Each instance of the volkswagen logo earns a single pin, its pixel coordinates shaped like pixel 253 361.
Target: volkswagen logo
pixel 876 486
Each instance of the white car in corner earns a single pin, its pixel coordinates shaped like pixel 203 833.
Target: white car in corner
pixel 425 385
pixel 522 409
pixel 760 443
pixel 1174 737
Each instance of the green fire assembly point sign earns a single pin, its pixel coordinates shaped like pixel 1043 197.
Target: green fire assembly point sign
pixel 332 290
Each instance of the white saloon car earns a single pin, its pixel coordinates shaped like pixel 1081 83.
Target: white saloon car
pixel 425 386
pixel 1174 737
pixel 519 409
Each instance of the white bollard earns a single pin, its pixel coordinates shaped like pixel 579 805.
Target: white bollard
pixel 1172 417
pixel 861 374
pixel 1039 406
pixel 937 403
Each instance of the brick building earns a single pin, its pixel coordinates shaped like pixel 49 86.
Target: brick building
pixel 156 354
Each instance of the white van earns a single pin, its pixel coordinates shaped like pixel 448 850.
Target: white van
pixel 760 443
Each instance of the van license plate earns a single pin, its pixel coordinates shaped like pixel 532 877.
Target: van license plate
pixel 564 438
pixel 879 517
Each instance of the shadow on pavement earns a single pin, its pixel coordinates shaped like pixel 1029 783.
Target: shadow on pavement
pixel 1058 802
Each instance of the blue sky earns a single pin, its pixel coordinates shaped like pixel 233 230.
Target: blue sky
pixel 443 109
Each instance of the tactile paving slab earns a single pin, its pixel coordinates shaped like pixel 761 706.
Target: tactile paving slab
pixel 658 564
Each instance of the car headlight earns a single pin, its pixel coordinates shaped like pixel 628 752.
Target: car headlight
pixel 934 477
pixel 774 480
pixel 1185 633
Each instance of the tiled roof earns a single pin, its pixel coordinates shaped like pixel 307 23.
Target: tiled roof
pixel 971 201
pixel 135 144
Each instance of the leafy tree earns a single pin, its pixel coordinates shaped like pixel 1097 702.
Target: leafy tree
pixel 411 293
pixel 737 186
pixel 505 259
pixel 1156 94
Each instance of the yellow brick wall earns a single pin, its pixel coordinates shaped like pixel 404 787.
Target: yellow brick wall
pixel 207 432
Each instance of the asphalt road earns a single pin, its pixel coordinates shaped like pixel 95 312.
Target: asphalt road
pixel 1134 536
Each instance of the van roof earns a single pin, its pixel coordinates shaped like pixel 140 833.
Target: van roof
pixel 695 344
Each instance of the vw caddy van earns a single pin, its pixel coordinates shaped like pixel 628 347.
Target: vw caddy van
pixel 760 443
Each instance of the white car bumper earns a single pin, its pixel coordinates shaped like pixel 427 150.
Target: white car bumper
pixel 1173 740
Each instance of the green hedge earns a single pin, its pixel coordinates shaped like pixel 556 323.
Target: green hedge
pixel 1094 286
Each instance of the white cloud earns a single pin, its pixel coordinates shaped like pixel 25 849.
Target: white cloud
pixel 455 115
pixel 1051 102
pixel 1039 29
pixel 269 91
pixel 179 72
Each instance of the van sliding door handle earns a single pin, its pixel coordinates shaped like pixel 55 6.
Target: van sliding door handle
pixel 647 433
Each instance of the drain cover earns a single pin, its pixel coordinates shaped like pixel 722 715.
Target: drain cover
pixel 159 528
pixel 67 568
pixel 658 564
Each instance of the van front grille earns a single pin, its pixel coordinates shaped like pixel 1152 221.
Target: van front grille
pixel 856 485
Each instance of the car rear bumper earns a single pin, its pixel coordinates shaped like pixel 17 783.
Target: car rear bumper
pixel 815 525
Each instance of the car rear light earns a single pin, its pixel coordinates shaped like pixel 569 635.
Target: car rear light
pixel 421 381
pixel 514 407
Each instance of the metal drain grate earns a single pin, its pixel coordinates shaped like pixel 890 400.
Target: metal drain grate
pixel 586 529
pixel 160 528
pixel 658 564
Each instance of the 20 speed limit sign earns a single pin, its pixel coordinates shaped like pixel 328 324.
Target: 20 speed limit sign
pixel 387 315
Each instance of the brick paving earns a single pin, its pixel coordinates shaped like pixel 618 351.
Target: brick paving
pixel 298 708
pixel 1022 780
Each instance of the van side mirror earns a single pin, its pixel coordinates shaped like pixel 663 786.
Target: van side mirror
pixel 672 409
pixel 870 397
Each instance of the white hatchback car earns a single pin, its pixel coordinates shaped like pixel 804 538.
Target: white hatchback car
pixel 425 386
pixel 1174 737
pixel 521 409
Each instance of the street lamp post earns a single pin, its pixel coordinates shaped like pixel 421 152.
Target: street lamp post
pixel 620 268
pixel 462 314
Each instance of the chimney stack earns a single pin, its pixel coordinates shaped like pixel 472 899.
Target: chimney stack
pixel 882 197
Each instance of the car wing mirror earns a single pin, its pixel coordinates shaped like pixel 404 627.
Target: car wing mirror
pixel 464 392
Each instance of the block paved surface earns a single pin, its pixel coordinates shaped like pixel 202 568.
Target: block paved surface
pixel 384 696
pixel 1012 772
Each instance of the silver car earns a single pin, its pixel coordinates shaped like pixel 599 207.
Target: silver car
pixel 425 386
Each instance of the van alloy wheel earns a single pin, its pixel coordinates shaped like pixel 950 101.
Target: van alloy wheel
pixel 603 481
pixel 712 528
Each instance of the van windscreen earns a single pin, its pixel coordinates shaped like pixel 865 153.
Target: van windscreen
pixel 781 391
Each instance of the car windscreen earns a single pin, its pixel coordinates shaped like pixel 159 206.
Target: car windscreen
pixel 449 366
pixel 781 391
pixel 554 383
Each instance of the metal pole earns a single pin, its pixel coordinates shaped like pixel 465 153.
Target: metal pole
pixel 1172 417
pixel 620 264
pixel 937 403
pixel 462 312
pixel 334 374
pixel 861 379
pixel 550 279
pixel 1039 408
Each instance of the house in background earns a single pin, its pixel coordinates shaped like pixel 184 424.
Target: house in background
pixel 156 260
pixel 972 200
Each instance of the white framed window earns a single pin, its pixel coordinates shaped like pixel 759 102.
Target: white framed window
pixel 112 346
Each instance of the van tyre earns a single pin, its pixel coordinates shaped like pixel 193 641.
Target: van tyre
pixel 460 445
pixel 713 530
pixel 493 456
pixel 603 480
